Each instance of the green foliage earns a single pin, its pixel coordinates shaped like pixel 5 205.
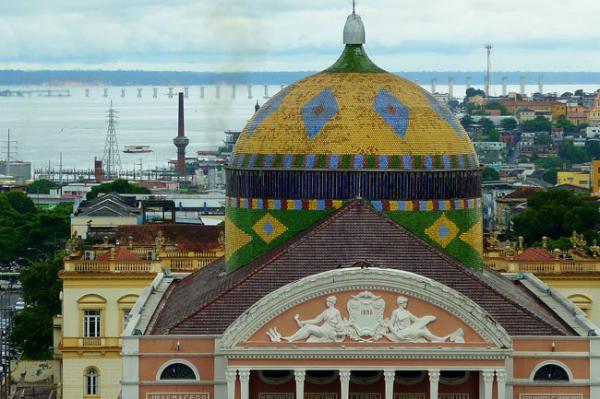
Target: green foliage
pixel 555 214
pixel 542 139
pixel 539 124
pixel 494 135
pixel 466 121
pixel 550 175
pixel 563 243
pixel 579 93
pixel 549 162
pixel 32 333
pixel 509 124
pixel 497 105
pixel 26 231
pixel 565 124
pixel 486 125
pixel 471 92
pixel 120 186
pixel 490 174
pixel 572 154
pixel 41 186
pixel 32 328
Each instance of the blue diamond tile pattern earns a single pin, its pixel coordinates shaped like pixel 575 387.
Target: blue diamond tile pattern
pixel 445 113
pixel 392 111
pixel 318 111
pixel 268 228
pixel 268 109
pixel 443 231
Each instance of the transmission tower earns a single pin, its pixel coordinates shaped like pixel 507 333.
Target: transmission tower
pixel 488 73
pixel 111 158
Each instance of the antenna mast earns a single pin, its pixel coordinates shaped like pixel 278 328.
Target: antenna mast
pixel 111 157
pixel 488 74
pixel 353 7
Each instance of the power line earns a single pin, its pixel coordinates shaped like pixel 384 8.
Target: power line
pixel 111 157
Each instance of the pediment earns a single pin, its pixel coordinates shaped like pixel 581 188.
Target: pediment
pixel 358 307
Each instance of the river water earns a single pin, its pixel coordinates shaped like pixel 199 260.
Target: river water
pixel 45 127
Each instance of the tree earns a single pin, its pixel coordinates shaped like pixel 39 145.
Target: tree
pixel 568 152
pixel 120 186
pixel 549 162
pixel 471 92
pixel 555 214
pixel 466 121
pixel 494 135
pixel 579 93
pixel 550 176
pixel 565 124
pixel 542 139
pixel 41 186
pixel 486 125
pixel 509 124
pixel 539 124
pixel 32 327
pixel 490 174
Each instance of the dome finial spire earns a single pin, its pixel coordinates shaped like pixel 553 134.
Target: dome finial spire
pixel 354 30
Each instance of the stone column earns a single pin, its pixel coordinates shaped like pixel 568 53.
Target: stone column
pixel 434 381
pixel 488 380
pixel 501 382
pixel 299 375
pixel 389 376
pixel 244 384
pixel 345 383
pixel 230 375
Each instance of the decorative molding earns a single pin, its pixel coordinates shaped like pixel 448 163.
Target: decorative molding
pixel 358 279
pixel 175 361
pixel 546 363
pixel 365 324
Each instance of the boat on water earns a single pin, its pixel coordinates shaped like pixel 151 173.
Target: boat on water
pixel 137 149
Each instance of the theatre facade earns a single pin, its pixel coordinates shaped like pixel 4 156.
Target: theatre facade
pixel 352 267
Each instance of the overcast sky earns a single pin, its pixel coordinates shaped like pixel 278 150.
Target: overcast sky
pixel 291 35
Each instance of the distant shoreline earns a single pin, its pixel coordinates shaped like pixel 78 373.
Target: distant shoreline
pixel 165 78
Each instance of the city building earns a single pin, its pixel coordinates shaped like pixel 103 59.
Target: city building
pixel 555 108
pixel 574 178
pixel 353 266
pixel 594 114
pixel 106 210
pixel 102 279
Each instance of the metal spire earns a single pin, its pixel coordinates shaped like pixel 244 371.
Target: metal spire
pixel 353 7
pixel 111 158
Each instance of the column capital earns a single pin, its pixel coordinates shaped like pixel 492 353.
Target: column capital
pixel 244 375
pixel 344 374
pixel 230 374
pixel 434 374
pixel 501 375
pixel 299 374
pixel 488 376
pixel 389 374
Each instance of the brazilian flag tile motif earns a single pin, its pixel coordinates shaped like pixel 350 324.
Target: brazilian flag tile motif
pixel 254 227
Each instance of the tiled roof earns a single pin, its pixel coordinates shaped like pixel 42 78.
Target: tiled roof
pixel 209 300
pixel 534 254
pixel 524 192
pixel 191 237
pixel 122 254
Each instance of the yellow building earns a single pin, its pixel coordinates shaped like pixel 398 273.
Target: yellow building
pixel 557 109
pixel 101 284
pixel 572 273
pixel 577 179
pixel 594 115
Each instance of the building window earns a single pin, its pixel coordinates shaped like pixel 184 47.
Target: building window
pixel 91 323
pixel 551 372
pixel 92 381
pixel 177 371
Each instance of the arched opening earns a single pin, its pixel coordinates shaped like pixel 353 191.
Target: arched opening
pixel 275 377
pixel 551 372
pixel 91 382
pixel 177 370
pixel 583 302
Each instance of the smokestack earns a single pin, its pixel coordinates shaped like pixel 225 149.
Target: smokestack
pixel 98 172
pixel 181 141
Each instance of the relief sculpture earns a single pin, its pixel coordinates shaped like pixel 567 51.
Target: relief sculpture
pixel 365 324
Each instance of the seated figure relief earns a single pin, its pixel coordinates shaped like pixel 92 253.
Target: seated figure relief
pixel 366 324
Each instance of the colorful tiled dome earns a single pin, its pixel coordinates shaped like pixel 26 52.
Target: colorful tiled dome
pixel 352 131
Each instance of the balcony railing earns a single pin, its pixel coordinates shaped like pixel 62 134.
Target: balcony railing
pixel 96 266
pixel 544 267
